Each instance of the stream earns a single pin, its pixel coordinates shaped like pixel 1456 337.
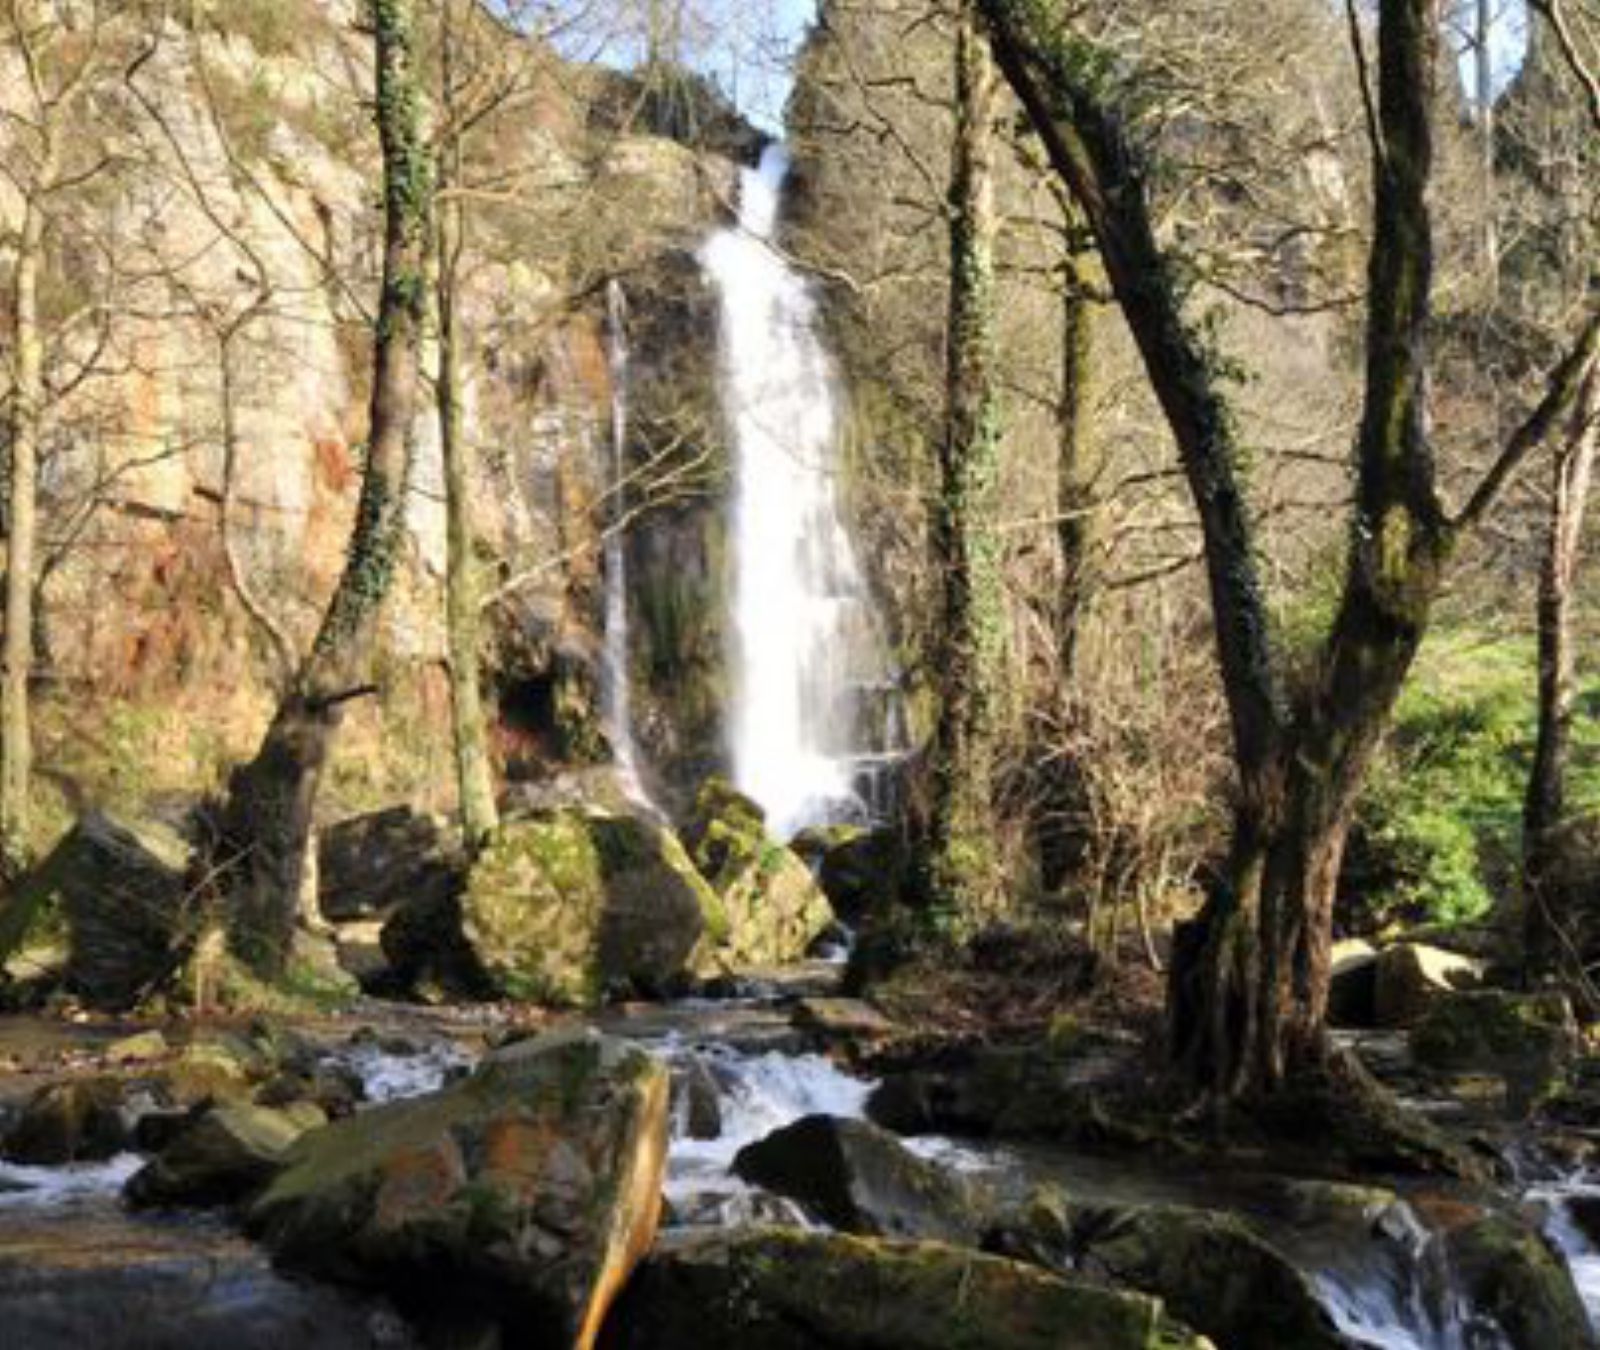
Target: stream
pixel 70 1253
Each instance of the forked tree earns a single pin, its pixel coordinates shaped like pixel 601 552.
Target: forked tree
pixel 1249 989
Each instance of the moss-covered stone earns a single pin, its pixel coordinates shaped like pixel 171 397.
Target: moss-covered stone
pixel 222 1156
pixel 773 909
pixel 527 1192
pixel 1510 1273
pixel 1213 1272
pixel 1526 1039
pixel 80 1120
pixel 572 905
pixel 777 1289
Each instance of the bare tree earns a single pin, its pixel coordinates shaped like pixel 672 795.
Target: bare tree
pixel 1250 983
pixel 65 56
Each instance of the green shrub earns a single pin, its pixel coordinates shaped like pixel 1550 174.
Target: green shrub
pixel 1439 830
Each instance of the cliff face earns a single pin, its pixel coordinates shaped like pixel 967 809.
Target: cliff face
pixel 237 231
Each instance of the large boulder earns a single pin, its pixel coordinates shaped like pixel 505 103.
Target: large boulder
pixel 1410 976
pixel 773 909
pixel 784 1289
pixel 1511 1275
pixel 859 1178
pixel 222 1156
pixel 529 1190
pixel 860 871
pixel 120 885
pixel 78 1120
pixel 370 865
pixel 1212 1271
pixel 1526 1039
pixel 568 907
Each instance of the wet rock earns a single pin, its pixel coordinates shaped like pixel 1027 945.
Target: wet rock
pixel 221 1156
pixel 777 1289
pixel 860 1179
pixel 570 907
pixel 697 1099
pixel 773 909
pixel 220 1069
pixel 529 1190
pixel 120 884
pixel 80 1120
pixel 1526 1039
pixel 1211 1271
pixel 105 1284
pixel 368 866
pixel 842 1021
pixel 860 871
pixel 1410 977
pixel 1510 1274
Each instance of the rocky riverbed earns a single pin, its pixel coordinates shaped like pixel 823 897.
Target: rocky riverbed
pixel 705 1173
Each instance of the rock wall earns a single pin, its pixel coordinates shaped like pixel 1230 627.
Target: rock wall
pixel 238 236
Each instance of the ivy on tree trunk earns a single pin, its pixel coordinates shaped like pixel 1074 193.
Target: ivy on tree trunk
pixel 963 868
pixel 1249 991
pixel 268 823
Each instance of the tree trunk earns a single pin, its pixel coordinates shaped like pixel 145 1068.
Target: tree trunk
pixel 269 818
pixel 1250 977
pixel 474 775
pixel 16 734
pixel 1078 468
pixel 1544 807
pixel 963 866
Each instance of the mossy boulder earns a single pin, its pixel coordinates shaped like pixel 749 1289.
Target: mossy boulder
pixel 856 1177
pixel 528 1191
pixel 774 910
pixel 79 1120
pixel 120 887
pixel 784 1289
pixel 1526 1039
pixel 1510 1274
pixel 1212 1271
pixel 571 906
pixel 222 1155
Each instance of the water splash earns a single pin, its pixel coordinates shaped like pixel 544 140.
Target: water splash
pixel 807 656
pixel 616 690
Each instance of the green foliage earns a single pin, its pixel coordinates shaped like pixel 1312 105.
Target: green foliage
pixel 1438 834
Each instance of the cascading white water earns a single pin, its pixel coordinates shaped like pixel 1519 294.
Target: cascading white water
pixel 616 693
pixel 804 632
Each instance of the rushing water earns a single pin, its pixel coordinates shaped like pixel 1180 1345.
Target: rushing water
pixel 1378 1270
pixel 808 661
pixel 616 690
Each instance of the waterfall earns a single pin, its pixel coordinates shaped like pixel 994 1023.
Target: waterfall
pixel 616 693
pixel 809 669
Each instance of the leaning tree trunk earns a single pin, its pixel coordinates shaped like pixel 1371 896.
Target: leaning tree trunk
pixel 963 864
pixel 1544 807
pixel 27 400
pixel 268 822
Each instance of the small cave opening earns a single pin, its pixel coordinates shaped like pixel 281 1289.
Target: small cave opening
pixel 527 730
